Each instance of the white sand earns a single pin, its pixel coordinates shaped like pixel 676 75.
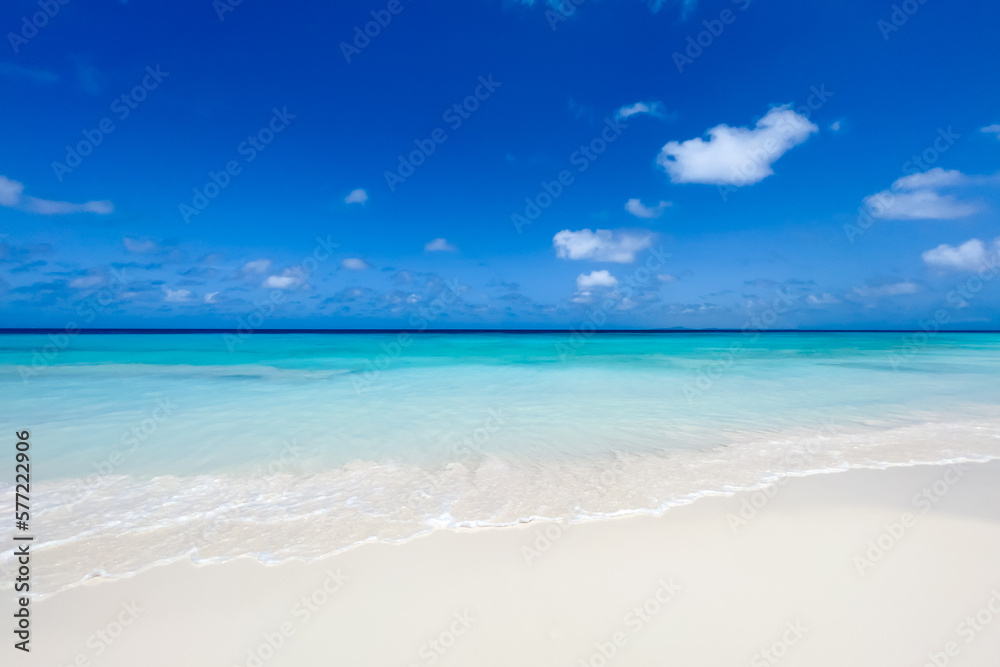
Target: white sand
pixel 787 581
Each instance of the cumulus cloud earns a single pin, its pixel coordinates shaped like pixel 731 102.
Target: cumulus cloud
pixel 176 296
pixel 602 278
pixel 991 129
pixel 650 108
pixel 916 197
pixel 354 264
pixel 736 155
pixel 639 210
pixel 135 245
pixel 602 245
pixel 358 196
pixel 891 289
pixel 439 245
pixel 287 280
pixel 12 196
pixel 970 256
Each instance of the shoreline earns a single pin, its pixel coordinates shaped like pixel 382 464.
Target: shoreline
pixel 268 560
pixel 559 587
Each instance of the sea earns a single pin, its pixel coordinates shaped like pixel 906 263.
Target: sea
pixel 148 448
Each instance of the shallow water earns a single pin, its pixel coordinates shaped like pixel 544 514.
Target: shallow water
pixel 155 447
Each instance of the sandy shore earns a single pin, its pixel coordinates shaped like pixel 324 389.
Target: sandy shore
pixel 868 567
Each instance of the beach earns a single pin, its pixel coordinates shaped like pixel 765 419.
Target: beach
pixel 490 499
pixel 865 567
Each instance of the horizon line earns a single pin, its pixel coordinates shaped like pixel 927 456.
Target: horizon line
pixel 198 330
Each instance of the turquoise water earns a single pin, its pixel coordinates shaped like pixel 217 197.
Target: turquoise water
pixel 295 445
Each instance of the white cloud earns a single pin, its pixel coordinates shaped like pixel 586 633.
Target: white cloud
pixel 287 280
pixel 932 178
pixel 916 197
pixel 210 297
pixel 666 278
pixel 12 196
pixel 835 126
pixel 893 289
pixel 603 245
pixel 257 266
pixel 602 278
pixel 176 296
pixel 736 155
pixel 639 210
pixel 650 108
pixel 84 282
pixel 135 245
pixel 439 245
pixel 992 129
pixel 825 297
pixel 358 196
pixel 969 256
pixel 354 264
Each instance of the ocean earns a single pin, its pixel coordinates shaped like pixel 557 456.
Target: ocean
pixel 149 448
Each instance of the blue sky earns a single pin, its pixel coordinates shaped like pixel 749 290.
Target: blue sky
pixel 482 163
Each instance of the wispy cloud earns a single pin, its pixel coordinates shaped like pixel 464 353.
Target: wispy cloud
pixel 439 245
pixel 137 246
pixel 358 196
pixel 654 109
pixel 176 296
pixel 354 264
pixel 639 210
pixel 917 197
pixel 15 71
pixel 12 196
pixel 991 129
pixel 890 289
